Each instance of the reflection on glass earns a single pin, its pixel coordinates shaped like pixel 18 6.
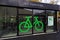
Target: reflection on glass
pixel 25 11
pixel 38 12
pixel 7 24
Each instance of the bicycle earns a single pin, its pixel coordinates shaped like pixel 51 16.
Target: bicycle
pixel 27 24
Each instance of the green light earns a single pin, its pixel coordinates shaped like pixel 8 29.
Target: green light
pixel 39 29
pixel 27 24
pixel 38 23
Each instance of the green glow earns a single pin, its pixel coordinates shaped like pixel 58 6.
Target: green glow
pixel 38 23
pixel 27 24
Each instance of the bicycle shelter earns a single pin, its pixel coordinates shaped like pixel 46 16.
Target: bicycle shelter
pixel 42 18
pixel 31 18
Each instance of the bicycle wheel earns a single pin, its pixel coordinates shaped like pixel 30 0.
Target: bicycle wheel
pixel 39 26
pixel 24 27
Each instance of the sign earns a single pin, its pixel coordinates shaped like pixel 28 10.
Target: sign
pixel 27 25
pixel 50 20
pixel 36 4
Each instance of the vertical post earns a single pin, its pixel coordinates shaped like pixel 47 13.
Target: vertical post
pixel 45 22
pixel 17 20
pixel 55 21
pixel 32 22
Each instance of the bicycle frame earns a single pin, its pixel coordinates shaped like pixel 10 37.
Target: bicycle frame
pixel 36 20
pixel 28 21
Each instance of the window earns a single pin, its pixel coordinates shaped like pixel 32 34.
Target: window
pixel 25 11
pixel 7 21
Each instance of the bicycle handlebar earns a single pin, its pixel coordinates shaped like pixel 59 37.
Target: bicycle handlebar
pixel 30 17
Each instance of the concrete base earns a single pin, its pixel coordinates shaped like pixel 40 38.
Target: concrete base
pixel 51 36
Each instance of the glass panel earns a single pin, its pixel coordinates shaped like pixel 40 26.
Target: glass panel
pixel 39 24
pixel 9 22
pixel 25 25
pixel 39 21
pixel 1 19
pixel 50 20
pixel 25 11
pixel 39 12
